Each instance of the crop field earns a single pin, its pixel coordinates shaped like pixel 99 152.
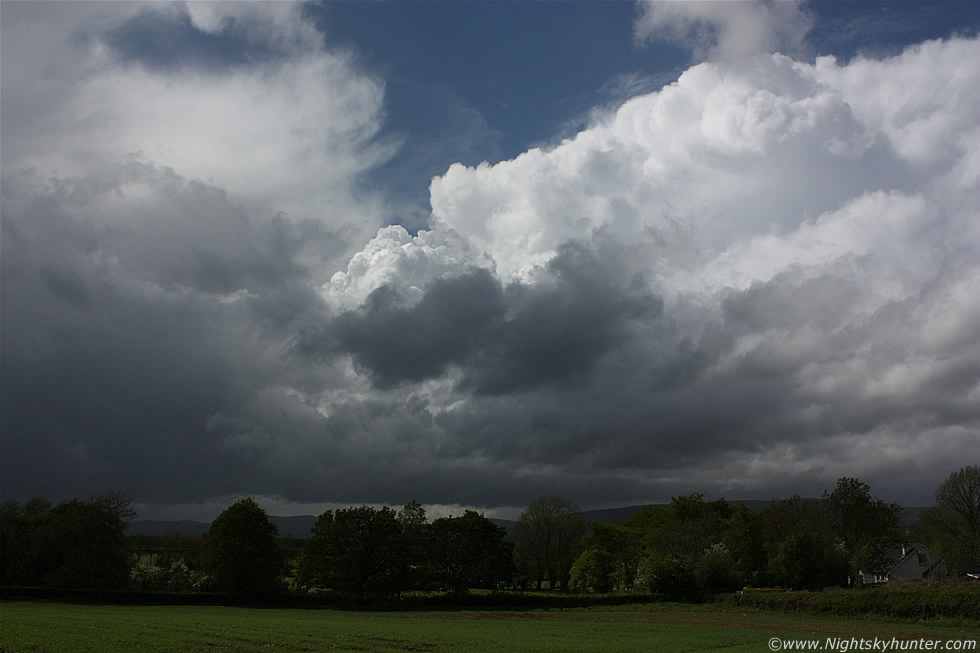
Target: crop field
pixel 61 627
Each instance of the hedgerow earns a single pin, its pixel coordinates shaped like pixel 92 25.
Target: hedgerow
pixel 941 601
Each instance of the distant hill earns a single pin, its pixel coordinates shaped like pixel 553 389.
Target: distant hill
pixel 296 526
pixel 156 527
pixel 613 515
pixel 301 525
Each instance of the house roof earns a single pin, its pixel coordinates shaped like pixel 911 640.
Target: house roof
pixel 917 563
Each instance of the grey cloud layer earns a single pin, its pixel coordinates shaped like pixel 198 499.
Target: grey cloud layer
pixel 754 281
pixel 120 340
pixel 503 338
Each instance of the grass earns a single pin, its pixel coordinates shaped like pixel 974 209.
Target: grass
pixel 65 628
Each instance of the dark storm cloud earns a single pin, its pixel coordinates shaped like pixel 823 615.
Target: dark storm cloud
pixel 177 180
pixel 557 331
pixel 183 234
pixel 120 339
pixel 663 403
pixel 398 343
pixel 505 339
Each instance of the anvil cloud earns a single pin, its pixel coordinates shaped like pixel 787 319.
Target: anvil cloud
pixel 749 282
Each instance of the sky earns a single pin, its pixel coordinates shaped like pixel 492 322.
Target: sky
pixel 475 253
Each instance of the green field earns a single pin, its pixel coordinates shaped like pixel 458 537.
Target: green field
pixel 61 627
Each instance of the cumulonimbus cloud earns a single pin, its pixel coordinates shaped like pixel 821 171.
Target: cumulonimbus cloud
pixel 800 234
pixel 754 280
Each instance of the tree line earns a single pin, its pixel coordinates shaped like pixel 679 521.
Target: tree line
pixel 685 550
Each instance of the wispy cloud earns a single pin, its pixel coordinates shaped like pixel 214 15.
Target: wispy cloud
pixel 725 29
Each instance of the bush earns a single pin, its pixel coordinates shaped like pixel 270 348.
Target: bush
pixel 670 576
pixel 943 601
pixel 715 571
pixel 750 590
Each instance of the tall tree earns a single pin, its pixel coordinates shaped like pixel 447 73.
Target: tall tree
pixel 953 525
pixel 415 535
pixel 240 550
pixel 686 532
pixel 743 539
pixel 865 525
pixel 468 551
pixel 356 550
pixel 803 552
pixel 547 540
pixel 77 544
pixel 14 531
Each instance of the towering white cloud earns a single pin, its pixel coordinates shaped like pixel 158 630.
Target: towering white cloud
pixel 396 258
pixel 803 156
pixel 804 222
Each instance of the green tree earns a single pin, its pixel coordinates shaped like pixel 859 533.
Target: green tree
pixel 669 574
pixel 88 541
pixel 742 537
pixel 415 532
pixel 76 544
pixel 14 536
pixel 864 524
pixel 240 552
pixel 355 550
pixel 715 571
pixel 609 560
pixel 412 516
pixel 686 531
pixel 802 550
pixel 547 540
pixel 952 527
pixel 468 552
